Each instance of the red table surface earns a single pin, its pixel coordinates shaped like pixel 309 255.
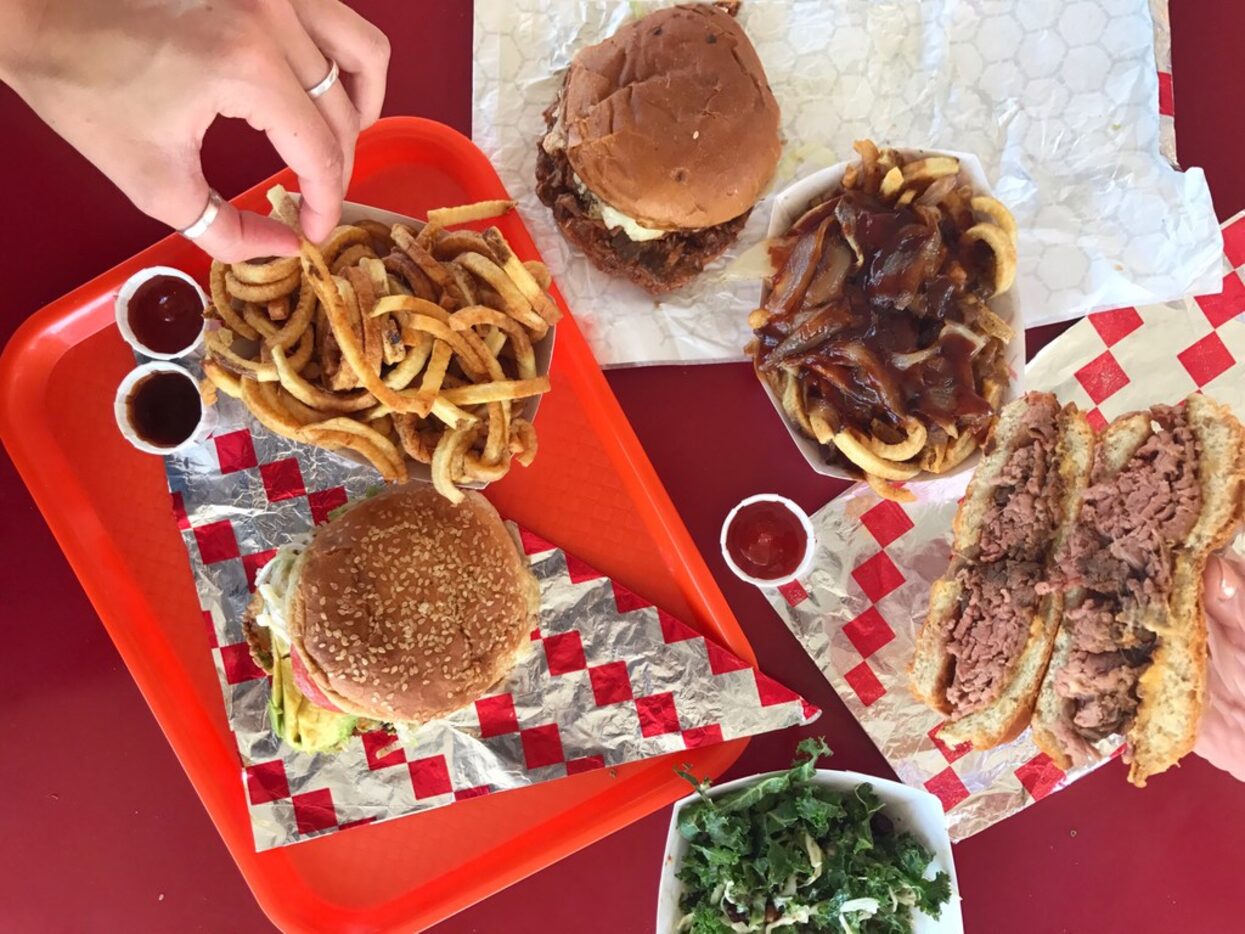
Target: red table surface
pixel 101 829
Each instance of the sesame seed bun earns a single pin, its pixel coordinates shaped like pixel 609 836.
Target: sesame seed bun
pixel 408 607
pixel 671 120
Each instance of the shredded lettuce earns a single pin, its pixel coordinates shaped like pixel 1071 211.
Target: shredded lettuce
pixel 785 853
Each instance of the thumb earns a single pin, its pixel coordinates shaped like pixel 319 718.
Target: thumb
pixel 175 192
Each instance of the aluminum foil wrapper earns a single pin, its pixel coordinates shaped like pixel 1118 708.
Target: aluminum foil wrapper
pixel 858 612
pixel 606 679
pixel 1068 106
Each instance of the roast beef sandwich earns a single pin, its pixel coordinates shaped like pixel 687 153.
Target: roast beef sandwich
pixel 661 141
pixel 1130 659
pixel 983 650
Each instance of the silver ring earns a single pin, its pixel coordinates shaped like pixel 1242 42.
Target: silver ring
pixel 329 80
pixel 200 227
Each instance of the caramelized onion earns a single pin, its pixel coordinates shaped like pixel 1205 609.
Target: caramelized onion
pixel 792 280
pixel 827 283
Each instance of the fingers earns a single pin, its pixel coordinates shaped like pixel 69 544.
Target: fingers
pixel 359 48
pixel 310 67
pixel 303 139
pixel 240 235
pixel 171 188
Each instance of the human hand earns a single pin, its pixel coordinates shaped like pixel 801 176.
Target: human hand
pixel 1221 737
pixel 134 85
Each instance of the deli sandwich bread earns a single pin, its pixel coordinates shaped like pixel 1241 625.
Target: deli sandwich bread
pixel 1130 660
pixel 983 650
pixel 1074 595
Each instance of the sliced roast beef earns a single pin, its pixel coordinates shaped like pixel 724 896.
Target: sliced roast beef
pixel 1001 587
pixel 658 265
pixel 990 630
pixel 1103 689
pixel 1025 513
pixel 1121 554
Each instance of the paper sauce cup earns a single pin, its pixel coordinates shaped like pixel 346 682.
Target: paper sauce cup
pixel 207 414
pixel 121 307
pixel 810 541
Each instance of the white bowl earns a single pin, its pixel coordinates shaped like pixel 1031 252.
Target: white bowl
pixel 794 200
pixel 121 307
pixel 911 809
pixel 207 414
pixel 810 539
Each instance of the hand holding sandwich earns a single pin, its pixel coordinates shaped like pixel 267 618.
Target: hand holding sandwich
pixel 1221 739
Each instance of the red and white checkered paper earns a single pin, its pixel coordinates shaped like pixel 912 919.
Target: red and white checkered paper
pixel 858 611
pixel 607 678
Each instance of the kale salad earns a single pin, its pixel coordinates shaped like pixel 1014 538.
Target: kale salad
pixel 788 853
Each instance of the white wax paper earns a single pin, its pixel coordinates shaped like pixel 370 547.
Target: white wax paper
pixel 1058 99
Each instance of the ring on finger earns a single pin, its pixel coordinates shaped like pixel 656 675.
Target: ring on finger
pixel 327 82
pixel 205 220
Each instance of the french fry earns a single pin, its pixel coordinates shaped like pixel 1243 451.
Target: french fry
pixel 226 382
pixel 910 447
pixel 434 376
pixel 996 213
pixel 274 270
pixel 540 272
pixel 415 278
pixel 451 243
pixel 351 256
pixel 497 391
pixel 313 396
pixel 406 356
pixel 516 305
pixel 351 347
pixel 893 491
pixel 222 304
pixel 375 447
pixel 451 445
pixel 466 213
pixel 271 416
pixel 382 242
pixel 850 444
pixel 524 355
pixel 519 275
pixel 416 356
pixel 263 293
pixel 341 238
pixel 930 168
pixel 523 442
pixel 1004 250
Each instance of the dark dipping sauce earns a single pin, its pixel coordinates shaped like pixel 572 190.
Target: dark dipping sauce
pixel 164 408
pixel 854 330
pixel 166 314
pixel 766 540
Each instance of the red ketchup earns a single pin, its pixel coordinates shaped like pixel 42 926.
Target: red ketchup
pixel 165 314
pixel 766 540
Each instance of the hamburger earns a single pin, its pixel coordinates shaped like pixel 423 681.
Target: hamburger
pixel 661 140
pixel 400 610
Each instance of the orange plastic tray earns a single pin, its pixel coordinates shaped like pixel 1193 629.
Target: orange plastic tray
pixel 591 490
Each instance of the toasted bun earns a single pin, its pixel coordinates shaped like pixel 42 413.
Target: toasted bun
pixel 671 120
pixel 1172 689
pixel 408 607
pixel 931 671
